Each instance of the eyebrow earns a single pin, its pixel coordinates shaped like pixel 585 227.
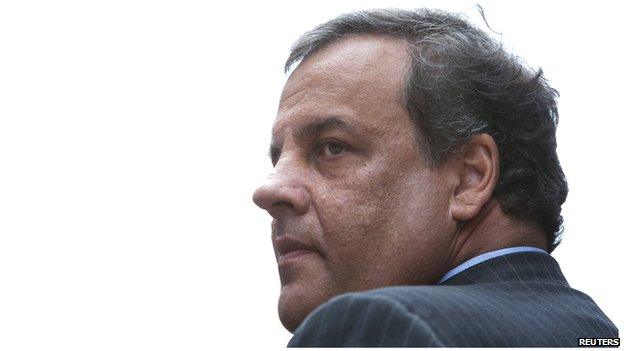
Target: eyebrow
pixel 311 129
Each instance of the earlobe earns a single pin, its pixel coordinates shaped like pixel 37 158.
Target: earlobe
pixel 477 170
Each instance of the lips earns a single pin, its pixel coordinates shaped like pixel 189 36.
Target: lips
pixel 289 249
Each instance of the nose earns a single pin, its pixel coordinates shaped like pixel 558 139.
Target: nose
pixel 281 199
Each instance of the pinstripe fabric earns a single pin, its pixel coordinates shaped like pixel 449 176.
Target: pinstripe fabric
pixel 520 299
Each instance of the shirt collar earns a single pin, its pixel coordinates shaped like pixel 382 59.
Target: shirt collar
pixel 487 256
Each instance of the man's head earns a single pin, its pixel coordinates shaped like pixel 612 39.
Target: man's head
pixel 396 132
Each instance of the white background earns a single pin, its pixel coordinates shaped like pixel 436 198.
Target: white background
pixel 133 133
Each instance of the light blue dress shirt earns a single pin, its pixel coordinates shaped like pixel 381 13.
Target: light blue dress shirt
pixel 487 256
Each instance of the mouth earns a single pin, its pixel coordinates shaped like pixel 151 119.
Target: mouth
pixel 290 250
pixel 292 256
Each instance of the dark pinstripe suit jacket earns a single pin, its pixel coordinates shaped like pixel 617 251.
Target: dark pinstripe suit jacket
pixel 519 299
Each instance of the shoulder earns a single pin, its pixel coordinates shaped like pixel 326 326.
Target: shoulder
pixel 381 317
pixel 497 314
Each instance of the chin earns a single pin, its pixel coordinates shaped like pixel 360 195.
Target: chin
pixel 296 302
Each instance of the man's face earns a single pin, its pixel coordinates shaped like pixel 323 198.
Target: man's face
pixel 355 207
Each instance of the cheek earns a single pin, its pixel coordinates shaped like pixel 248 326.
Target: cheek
pixel 377 226
pixel 348 208
pixel 356 217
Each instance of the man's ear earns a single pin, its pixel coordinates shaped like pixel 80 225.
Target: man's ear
pixel 477 174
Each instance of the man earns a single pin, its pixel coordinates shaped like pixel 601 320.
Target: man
pixel 417 193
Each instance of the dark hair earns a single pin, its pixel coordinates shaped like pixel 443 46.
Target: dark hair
pixel 463 83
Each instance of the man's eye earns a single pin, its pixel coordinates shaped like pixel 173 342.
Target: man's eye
pixel 332 149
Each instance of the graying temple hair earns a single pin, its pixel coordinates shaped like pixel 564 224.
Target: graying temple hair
pixel 463 83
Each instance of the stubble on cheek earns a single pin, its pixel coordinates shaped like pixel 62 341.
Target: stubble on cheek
pixel 356 221
pixel 386 228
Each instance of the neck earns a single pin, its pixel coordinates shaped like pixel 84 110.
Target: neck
pixel 491 230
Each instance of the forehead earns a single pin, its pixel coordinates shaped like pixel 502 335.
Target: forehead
pixel 359 79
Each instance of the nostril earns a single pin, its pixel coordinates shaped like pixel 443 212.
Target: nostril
pixel 282 203
pixel 281 208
